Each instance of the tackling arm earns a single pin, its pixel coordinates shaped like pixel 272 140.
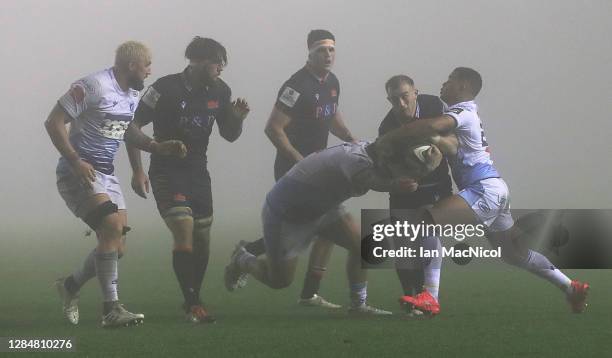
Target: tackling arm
pixel 415 131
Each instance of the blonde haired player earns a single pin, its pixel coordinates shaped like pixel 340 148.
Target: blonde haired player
pixel 99 108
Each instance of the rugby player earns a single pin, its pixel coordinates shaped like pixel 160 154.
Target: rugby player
pixel 307 202
pixel 99 108
pixel 408 104
pixel 483 197
pixel 185 106
pixel 305 112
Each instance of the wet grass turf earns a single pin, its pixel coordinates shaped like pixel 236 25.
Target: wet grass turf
pixel 497 312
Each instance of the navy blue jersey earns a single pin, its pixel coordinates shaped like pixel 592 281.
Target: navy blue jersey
pixel 181 112
pixel 437 184
pixel 311 103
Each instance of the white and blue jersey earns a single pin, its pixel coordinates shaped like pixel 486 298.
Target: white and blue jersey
pixel 473 161
pixel 101 113
pixel 479 182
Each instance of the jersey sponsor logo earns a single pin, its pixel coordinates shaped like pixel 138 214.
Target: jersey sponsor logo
pixel 456 110
pixel 289 97
pixel 327 110
pixel 212 104
pixel 77 92
pixel 334 92
pixel 151 97
pixel 196 127
pixel 114 126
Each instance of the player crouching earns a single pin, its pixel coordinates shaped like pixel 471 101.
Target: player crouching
pixel 307 203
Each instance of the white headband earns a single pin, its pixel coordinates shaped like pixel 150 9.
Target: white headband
pixel 321 43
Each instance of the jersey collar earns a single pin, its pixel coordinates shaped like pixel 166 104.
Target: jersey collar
pixel 319 79
pixel 188 87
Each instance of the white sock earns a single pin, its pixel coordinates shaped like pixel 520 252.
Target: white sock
pixel 432 269
pixel 107 272
pixel 539 265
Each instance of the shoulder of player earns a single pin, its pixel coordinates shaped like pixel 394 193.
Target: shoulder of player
pixel 299 81
pixel 388 123
pixel 95 83
pixel 463 116
pixel 430 105
pixel 168 83
pixel 333 79
pixel 223 88
pixel 429 99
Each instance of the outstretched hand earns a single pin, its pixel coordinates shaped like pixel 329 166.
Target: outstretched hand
pixel 240 108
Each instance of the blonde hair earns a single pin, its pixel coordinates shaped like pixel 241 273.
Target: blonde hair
pixel 131 51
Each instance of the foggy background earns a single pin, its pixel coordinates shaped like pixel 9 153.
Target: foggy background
pixel 546 68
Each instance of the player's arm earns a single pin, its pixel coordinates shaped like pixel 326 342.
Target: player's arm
pixel 275 130
pixel 140 181
pixel 136 140
pixel 236 112
pixel 448 144
pixel 56 128
pixel 339 129
pixel 415 131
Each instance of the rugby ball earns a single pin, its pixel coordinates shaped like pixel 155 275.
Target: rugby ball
pixel 419 151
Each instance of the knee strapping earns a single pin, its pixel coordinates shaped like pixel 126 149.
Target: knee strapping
pixel 95 217
pixel 177 213
pixel 201 228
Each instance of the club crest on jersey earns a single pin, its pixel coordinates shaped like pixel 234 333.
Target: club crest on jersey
pixel 317 97
pixel 213 104
pixel 289 97
pixel 77 93
pixel 334 92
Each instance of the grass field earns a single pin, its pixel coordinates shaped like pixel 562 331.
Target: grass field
pixel 485 313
